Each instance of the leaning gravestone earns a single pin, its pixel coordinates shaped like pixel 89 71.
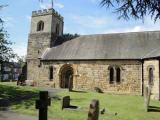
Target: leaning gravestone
pixel 66 102
pixel 147 94
pixel 93 113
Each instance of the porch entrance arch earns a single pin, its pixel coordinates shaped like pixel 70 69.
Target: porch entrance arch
pixel 66 77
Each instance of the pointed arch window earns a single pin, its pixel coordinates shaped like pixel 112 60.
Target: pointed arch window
pixel 51 73
pixel 150 82
pixel 111 76
pixel 118 75
pixel 40 26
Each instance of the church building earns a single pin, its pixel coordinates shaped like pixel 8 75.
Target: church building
pixel 120 63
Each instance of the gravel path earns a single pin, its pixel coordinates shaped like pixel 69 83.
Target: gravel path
pixel 7 115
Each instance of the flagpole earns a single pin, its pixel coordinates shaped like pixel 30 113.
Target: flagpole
pixel 52 3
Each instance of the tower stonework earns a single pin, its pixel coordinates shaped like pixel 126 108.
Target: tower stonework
pixel 45 26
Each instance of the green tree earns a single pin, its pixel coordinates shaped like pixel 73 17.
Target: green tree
pixel 136 9
pixel 6 52
pixel 65 37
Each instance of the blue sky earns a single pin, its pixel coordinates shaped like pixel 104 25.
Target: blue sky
pixel 80 16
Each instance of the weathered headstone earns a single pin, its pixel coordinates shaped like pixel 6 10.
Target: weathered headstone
pixel 98 90
pixel 66 102
pixel 93 113
pixel 147 94
pixel 42 104
pixel 102 111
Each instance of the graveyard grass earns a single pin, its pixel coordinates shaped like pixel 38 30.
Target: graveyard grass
pixel 127 107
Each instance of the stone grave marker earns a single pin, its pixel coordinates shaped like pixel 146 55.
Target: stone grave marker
pixel 93 113
pixel 42 104
pixel 66 102
pixel 147 94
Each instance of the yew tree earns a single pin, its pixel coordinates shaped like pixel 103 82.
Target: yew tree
pixel 136 9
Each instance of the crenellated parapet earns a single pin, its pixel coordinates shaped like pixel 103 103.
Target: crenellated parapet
pixel 46 12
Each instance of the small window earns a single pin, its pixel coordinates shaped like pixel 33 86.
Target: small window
pixel 150 82
pixel 118 75
pixel 111 75
pixel 40 26
pixel 57 29
pixel 51 73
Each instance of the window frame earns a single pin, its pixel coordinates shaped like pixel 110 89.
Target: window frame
pixel 118 75
pixel 51 76
pixel 40 26
pixel 151 76
pixel 111 75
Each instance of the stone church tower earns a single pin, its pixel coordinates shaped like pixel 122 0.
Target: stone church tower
pixel 45 26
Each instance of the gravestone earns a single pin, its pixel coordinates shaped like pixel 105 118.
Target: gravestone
pixel 147 94
pixel 42 104
pixel 98 90
pixel 66 102
pixel 93 113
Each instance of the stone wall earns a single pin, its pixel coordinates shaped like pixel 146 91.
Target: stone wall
pixel 90 74
pixel 39 41
pixel 155 87
pixel 37 44
pixel 33 69
pixel 50 18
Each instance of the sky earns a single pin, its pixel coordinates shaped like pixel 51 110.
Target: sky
pixel 80 16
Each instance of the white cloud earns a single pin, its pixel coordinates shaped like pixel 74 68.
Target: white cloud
pixel 90 21
pixel 28 17
pixel 123 30
pixel 134 26
pixel 45 5
pixel 20 49
pixel 59 5
pixel 87 24
pixel 133 29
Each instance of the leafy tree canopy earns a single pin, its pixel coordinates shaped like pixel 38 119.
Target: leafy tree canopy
pixel 137 9
pixel 6 52
pixel 64 38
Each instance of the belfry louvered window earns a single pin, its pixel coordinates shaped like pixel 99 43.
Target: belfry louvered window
pixel 40 26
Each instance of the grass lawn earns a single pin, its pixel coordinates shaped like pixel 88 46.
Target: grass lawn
pixel 127 107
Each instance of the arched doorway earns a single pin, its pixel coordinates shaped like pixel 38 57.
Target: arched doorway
pixel 66 77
